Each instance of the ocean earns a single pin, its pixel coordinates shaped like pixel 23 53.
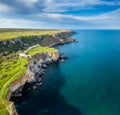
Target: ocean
pixel 88 83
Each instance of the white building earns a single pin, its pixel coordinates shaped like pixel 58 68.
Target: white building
pixel 23 55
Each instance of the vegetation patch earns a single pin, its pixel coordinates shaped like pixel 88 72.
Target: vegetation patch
pixel 13 67
pixel 40 49
pixel 18 40
pixel 6 35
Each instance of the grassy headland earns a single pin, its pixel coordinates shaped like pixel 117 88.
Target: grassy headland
pixel 10 34
pixel 12 66
pixel 40 50
pixel 13 40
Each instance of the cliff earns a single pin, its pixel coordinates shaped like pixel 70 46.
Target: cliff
pixel 21 43
pixel 34 69
pixel 35 65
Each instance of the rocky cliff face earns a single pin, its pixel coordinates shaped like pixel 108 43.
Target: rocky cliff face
pixel 35 69
pixel 59 38
pixel 21 43
pixel 38 62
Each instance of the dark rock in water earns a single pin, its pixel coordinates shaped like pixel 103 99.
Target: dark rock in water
pixel 63 58
pixel 39 79
pixel 34 87
pixel 75 40
pixel 17 94
pixel 44 66
pixel 39 66
pixel 39 83
pixel 29 88
pixel 42 72
pixel 20 94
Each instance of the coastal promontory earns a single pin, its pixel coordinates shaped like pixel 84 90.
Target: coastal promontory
pixel 24 54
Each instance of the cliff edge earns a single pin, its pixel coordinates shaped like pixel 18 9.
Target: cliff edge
pixel 26 66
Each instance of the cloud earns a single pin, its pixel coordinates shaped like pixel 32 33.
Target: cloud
pixel 108 20
pixel 5 8
pixel 23 7
pixel 29 3
pixel 21 23
pixel 56 6
pixel 105 20
pixel 58 14
pixel 36 6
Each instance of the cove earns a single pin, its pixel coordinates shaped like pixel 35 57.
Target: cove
pixel 88 83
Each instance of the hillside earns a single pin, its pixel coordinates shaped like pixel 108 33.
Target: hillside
pixel 13 66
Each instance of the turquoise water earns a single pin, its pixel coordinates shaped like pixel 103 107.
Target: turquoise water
pixel 88 83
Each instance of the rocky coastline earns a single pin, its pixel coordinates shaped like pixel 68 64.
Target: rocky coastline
pixel 38 63
pixel 35 69
pixel 22 42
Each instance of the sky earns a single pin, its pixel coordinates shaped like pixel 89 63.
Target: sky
pixel 60 14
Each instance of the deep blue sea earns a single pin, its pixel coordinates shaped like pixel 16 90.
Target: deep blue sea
pixel 88 83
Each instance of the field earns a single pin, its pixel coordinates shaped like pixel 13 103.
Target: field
pixel 40 50
pixel 6 34
pixel 13 67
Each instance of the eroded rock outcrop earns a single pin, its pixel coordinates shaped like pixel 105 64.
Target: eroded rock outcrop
pixel 35 69
pixel 38 62
pixel 23 42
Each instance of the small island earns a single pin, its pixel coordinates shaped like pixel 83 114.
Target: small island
pixel 23 56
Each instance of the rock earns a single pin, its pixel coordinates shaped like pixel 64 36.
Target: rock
pixel 62 57
pixel 34 70
pixel 44 66
pixel 20 94
pixel 34 87
pixel 39 79
pixel 39 83
pixel 75 40
pixel 62 60
pixel 29 88
pixel 17 94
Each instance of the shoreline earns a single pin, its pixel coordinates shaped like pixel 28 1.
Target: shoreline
pixel 33 85
pixel 13 109
pixel 44 67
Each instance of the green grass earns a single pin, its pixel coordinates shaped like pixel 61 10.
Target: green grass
pixel 28 37
pixel 40 49
pixel 13 67
pixel 10 69
pixel 5 35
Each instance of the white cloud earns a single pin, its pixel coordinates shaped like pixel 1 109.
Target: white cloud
pixel 5 8
pixel 56 20
pixel 21 23
pixel 57 16
pixel 61 6
pixel 29 3
pixel 106 20
pixel 54 5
